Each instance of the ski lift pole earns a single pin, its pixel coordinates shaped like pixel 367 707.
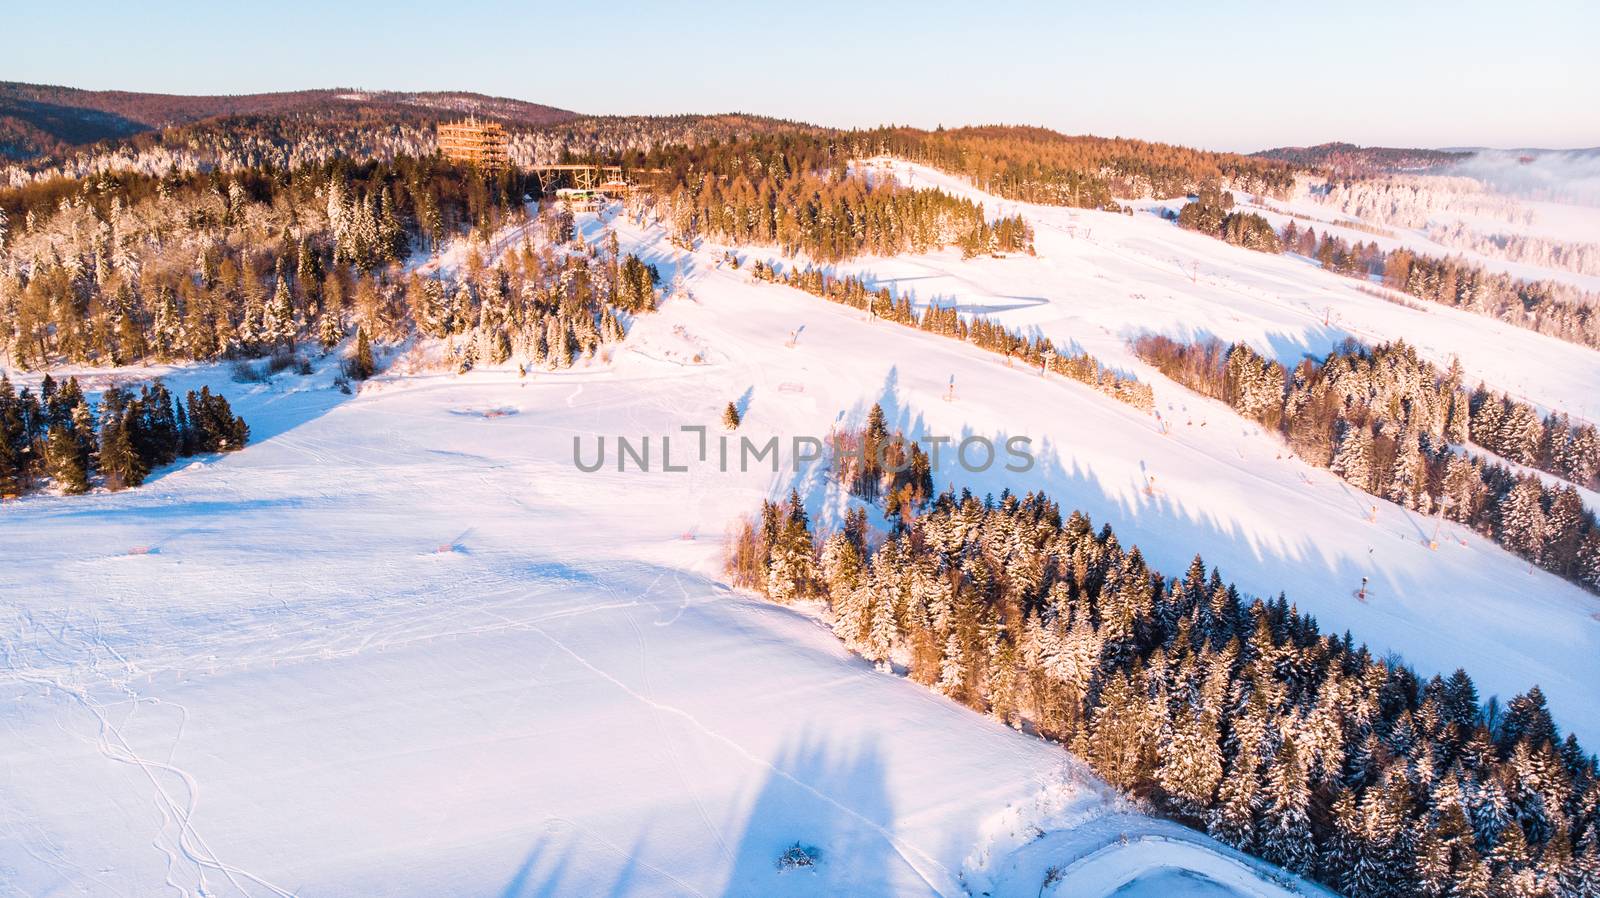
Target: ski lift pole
pixel 1438 522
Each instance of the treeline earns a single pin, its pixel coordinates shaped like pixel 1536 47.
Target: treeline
pixel 981 332
pixel 1036 165
pixel 58 436
pixel 127 269
pixel 1211 212
pixel 318 137
pixel 1558 310
pixel 1573 255
pixel 1513 430
pixel 115 270
pixel 796 191
pixel 1384 420
pixel 1239 718
pixel 544 308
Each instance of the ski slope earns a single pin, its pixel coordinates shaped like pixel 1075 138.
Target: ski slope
pixel 1202 479
pixel 1099 279
pixel 402 646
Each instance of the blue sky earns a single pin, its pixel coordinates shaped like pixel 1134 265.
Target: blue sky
pixel 1228 75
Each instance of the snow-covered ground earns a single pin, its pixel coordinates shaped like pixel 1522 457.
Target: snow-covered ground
pixel 1099 279
pixel 1559 222
pixel 401 645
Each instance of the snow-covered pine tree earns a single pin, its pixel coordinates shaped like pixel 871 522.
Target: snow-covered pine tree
pixel 842 567
pixel 883 626
pixel 791 567
pixel 1339 858
pixel 1488 415
pixel 559 342
pixel 1521 432
pixel 1285 831
pixel 1191 761
pixel 330 329
pixel 1407 476
pixel 1003 684
pixel 1352 459
pixel 1233 818
pixel 1521 525
pixel 1565 523
pixel 280 327
pixel 1589 559
pixel 118 460
pixel 952 666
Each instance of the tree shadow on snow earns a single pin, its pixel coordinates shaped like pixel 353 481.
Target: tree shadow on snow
pixel 1169 528
pixel 820 823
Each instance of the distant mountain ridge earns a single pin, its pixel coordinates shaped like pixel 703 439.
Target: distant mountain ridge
pixel 1348 158
pixel 42 119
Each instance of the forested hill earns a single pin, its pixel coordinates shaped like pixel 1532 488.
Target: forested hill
pixel 1042 166
pixel 1347 158
pixel 38 119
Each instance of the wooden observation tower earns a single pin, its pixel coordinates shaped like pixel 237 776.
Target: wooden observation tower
pixel 472 141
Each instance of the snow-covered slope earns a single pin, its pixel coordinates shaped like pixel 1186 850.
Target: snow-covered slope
pixel 401 645
pixel 406 649
pixel 1101 278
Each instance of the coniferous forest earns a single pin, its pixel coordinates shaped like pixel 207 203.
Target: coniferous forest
pixel 1040 166
pixel 59 436
pixel 414 490
pixel 1237 716
pixel 1548 307
pixel 127 269
pixel 1395 426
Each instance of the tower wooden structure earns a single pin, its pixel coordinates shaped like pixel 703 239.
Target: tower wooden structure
pixel 474 141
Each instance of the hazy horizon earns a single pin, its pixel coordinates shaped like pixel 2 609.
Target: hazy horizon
pixel 756 112
pixel 1235 77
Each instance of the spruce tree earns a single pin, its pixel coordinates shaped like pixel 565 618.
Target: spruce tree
pixel 1285 822
pixel 119 460
pixel 1352 460
pixel 66 461
pixel 329 330
pixel 280 328
pixel 792 566
pixel 1233 819
pixel 10 471
pixel 1406 475
pixel 842 568
pixel 1521 519
pixel 362 367
pixel 883 628
pixel 1191 762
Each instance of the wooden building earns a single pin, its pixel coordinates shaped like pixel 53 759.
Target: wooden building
pixel 473 141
